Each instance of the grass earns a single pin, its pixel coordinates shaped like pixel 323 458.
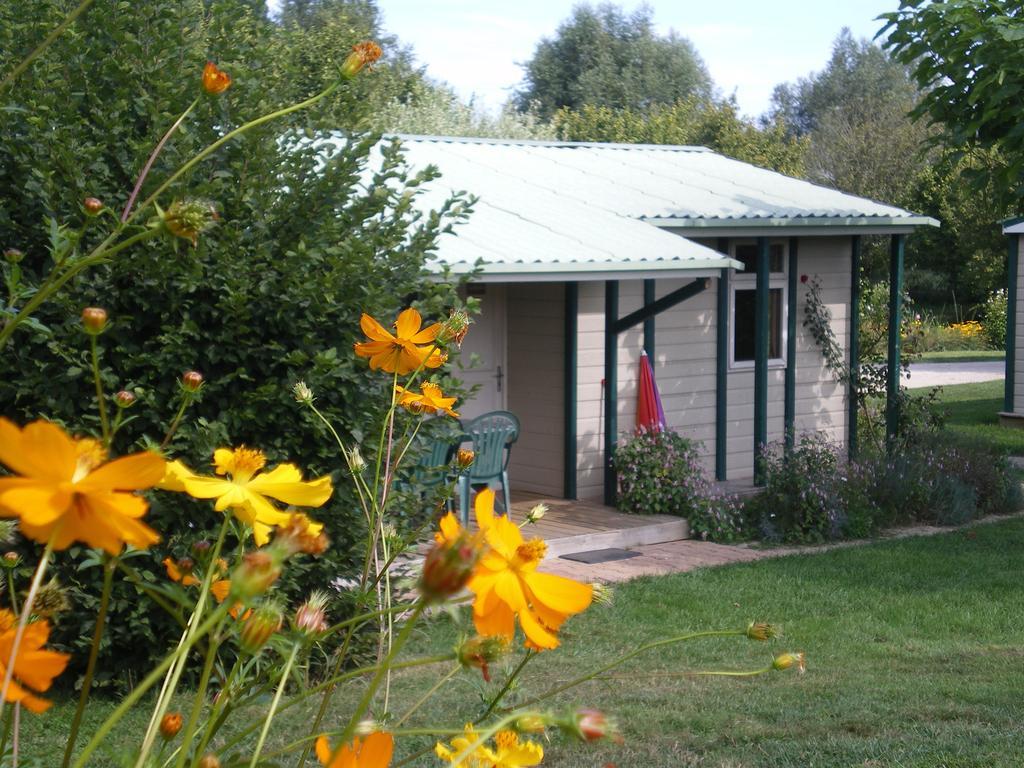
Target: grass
pixel 961 356
pixel 973 413
pixel 914 660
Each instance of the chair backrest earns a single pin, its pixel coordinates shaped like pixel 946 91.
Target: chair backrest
pixel 434 461
pixel 492 435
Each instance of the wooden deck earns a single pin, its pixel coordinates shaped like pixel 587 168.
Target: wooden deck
pixel 578 526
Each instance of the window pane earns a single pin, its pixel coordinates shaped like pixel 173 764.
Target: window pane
pixel 744 323
pixel 748 255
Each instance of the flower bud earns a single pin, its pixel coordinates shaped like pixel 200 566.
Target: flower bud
pixel 13 255
pixel 258 628
pixel 124 399
pixel 209 761
pixel 787 660
pixel 355 460
pixel 170 724
pixel 92 205
pixel 761 631
pixel 592 725
pixel 448 566
pixel 188 219
pixel 362 54
pixel 257 572
pixel 536 513
pixel 464 458
pixel 480 652
pixel 11 560
pixel 602 594
pixel 310 617
pixel 303 393
pixel 300 534
pixel 454 329
pixel 215 80
pixel 94 319
pixel 51 599
pixel 530 724
pixel 191 381
pixel 201 547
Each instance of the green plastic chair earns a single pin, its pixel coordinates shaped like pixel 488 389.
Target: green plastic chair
pixel 492 435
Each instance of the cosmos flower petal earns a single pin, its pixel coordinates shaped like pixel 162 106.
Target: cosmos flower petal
pixel 537 634
pixel 377 750
pixel 375 330
pixel 51 451
pixel 285 484
pixel 37 504
pixel 559 593
pixel 408 324
pixel 427 336
pixel 129 473
pixel 501 621
pixel 509 589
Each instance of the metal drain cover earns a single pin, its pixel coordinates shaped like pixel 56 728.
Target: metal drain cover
pixel 594 556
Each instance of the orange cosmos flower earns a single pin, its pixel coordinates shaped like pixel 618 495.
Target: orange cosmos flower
pixel 404 352
pixel 362 54
pixel 507 585
pixel 67 492
pixel 34 668
pixel 431 400
pixel 180 571
pixel 215 80
pixel 245 489
pixel 374 752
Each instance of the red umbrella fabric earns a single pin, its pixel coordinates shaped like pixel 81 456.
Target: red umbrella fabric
pixel 649 412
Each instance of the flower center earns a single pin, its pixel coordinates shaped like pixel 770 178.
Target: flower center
pixel 506 740
pixel 244 463
pixel 532 551
pixel 90 455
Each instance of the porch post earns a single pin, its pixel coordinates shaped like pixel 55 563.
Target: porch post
pixel 761 358
pixel 611 386
pixel 892 389
pixel 1011 322
pixel 789 418
pixel 649 330
pixel 722 370
pixel 569 379
pixel 852 395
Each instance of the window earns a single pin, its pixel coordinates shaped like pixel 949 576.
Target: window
pixel 743 295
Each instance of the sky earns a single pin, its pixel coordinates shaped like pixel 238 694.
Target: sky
pixel 748 46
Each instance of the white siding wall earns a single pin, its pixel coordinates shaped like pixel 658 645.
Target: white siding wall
pixel 685 363
pixel 536 351
pixel 1018 367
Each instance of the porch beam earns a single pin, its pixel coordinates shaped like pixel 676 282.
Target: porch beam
pixel 722 369
pixel 761 318
pixel 649 323
pixel 789 417
pixel 1011 322
pixel 656 308
pixel 892 385
pixel 611 387
pixel 852 393
pixel 570 383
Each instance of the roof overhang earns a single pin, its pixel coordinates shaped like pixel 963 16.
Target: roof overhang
pixel 591 272
pixel 811 226
pixel 1014 226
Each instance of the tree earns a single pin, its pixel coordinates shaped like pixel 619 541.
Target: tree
pixel 601 57
pixel 968 59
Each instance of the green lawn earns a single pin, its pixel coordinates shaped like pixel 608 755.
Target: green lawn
pixel 914 654
pixel 961 356
pixel 973 412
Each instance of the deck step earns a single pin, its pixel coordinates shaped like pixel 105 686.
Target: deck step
pixel 638 536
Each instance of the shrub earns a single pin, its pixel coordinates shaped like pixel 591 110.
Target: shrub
pixel 659 473
pixel 720 518
pixel 994 312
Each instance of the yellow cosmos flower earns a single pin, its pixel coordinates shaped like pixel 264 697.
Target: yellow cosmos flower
pixel 508 752
pixel 507 585
pixel 374 752
pixel 406 350
pixel 244 489
pixel 34 668
pixel 67 492
pixel 431 400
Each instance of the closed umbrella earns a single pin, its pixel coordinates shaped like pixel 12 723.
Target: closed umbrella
pixel 649 412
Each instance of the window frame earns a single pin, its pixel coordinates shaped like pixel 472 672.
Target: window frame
pixel 746 281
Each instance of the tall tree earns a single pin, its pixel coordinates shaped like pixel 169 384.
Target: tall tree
pixel 968 59
pixel 603 57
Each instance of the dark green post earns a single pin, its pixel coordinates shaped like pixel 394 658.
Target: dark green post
pixel 611 386
pixel 790 407
pixel 572 304
pixel 761 358
pixel 1011 321
pixel 852 395
pixel 892 388
pixel 722 374
pixel 649 330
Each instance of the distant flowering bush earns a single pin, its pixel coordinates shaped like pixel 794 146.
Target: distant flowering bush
pixel 994 312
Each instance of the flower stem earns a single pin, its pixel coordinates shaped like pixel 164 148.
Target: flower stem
pixel 507 687
pixel 198 699
pixel 152 158
pixel 186 399
pixel 109 565
pixel 15 73
pixel 104 423
pixel 26 612
pixel 273 705
pixel 426 697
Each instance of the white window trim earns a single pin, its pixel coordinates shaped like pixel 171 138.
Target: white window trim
pixel 747 280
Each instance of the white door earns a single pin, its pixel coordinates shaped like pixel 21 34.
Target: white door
pixel 482 361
